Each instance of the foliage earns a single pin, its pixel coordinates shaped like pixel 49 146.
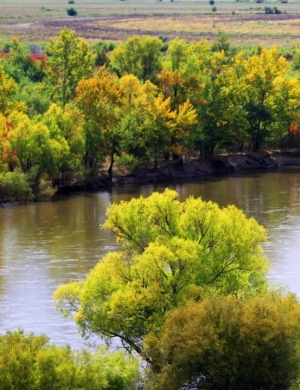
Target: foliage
pixel 66 142
pixel 7 88
pixel 262 74
pixel 30 362
pixel 70 60
pixel 71 11
pixel 14 187
pixel 100 101
pixel 102 50
pixel 147 101
pixel 270 10
pixel 139 56
pixel 229 343
pixel 171 252
pixel 27 142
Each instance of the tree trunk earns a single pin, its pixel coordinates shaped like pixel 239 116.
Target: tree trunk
pixel 110 169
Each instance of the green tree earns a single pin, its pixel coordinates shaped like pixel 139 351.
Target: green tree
pixel 71 11
pixel 223 43
pixel 66 140
pixel 70 60
pixel 171 252
pixel 229 343
pixel 222 119
pixel 102 50
pixel 140 56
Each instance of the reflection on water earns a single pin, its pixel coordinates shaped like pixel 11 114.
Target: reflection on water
pixel 43 245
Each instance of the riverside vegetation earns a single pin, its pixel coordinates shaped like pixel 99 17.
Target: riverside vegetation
pixel 187 289
pixel 69 108
pixel 187 298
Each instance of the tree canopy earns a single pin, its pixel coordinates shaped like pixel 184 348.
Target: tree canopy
pixel 171 252
pixel 226 343
pixel 143 101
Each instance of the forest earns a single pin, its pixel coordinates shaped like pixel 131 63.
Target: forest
pixel 70 109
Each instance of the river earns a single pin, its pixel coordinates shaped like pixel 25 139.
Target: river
pixel 43 245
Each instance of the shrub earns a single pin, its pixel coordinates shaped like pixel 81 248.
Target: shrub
pixel 71 12
pixel 229 343
pixel 211 2
pixel 269 10
pixel 29 362
pixel 14 187
pixel 128 160
pixel 214 9
pixel 71 2
pixel 296 61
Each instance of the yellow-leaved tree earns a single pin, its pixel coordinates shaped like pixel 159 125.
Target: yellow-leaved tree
pixel 171 253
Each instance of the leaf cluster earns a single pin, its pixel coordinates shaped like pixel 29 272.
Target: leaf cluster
pixel 172 252
pixel 30 362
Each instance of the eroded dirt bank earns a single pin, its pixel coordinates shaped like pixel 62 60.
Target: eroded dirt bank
pixel 192 169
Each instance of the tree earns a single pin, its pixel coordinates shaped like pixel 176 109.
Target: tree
pixel 102 50
pixel 23 65
pixel 100 100
pixel 71 11
pixel 261 73
pixel 222 116
pixel 28 142
pixel 171 252
pixel 139 56
pixel 285 106
pixel 222 43
pixel 7 88
pixel 67 141
pixel 70 60
pixel 229 343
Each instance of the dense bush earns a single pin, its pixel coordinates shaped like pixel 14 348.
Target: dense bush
pixel 230 344
pixel 71 12
pixel 29 362
pixel 14 187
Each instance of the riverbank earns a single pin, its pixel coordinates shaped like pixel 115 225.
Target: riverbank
pixel 176 170
pixel 192 169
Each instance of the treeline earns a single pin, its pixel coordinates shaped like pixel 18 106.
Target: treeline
pixel 69 107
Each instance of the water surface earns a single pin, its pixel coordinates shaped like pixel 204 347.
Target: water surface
pixel 43 245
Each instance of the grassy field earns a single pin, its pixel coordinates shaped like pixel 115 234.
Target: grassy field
pixel 114 20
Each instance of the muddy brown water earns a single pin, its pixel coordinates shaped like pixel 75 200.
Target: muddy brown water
pixel 43 245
